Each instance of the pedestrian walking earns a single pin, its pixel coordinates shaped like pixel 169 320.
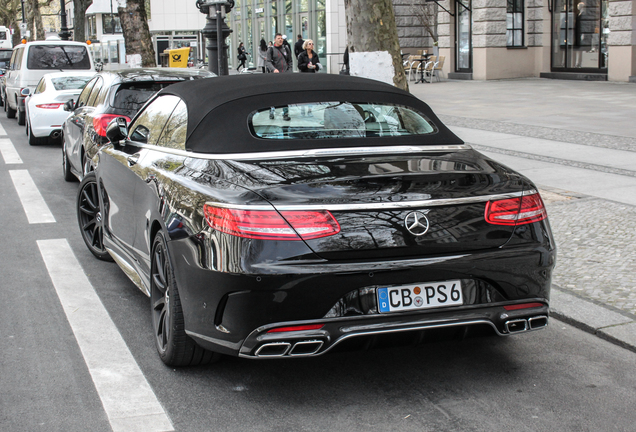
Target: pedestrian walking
pixel 279 60
pixel 242 56
pixel 262 55
pixel 298 46
pixel 308 60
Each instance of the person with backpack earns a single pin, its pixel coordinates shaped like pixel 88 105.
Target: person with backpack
pixel 279 60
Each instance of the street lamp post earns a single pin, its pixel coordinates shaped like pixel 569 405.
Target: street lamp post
pixel 216 31
pixel 64 33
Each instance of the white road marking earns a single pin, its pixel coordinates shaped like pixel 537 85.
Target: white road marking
pixel 34 206
pixel 9 153
pixel 2 131
pixel 128 399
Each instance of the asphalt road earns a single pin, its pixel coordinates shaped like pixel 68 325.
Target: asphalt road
pixel 560 378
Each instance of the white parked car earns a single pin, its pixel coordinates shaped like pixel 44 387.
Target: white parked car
pixel 30 61
pixel 45 107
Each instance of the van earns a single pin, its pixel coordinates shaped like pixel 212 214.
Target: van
pixel 31 61
pixel 5 38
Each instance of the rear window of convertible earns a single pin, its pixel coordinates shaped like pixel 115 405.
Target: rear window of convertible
pixel 325 120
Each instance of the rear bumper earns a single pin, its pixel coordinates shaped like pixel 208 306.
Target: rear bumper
pixel 231 313
pixel 260 344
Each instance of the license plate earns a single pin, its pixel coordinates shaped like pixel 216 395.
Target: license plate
pixel 420 296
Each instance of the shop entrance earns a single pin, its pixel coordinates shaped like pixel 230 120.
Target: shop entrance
pixel 580 29
pixel 463 36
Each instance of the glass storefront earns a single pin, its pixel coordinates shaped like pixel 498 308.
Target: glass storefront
pixel 253 20
pixel 463 34
pixel 580 29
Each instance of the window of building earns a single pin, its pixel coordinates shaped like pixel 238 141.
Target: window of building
pixel 107 23
pixel 514 23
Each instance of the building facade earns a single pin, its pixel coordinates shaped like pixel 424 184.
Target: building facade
pixel 480 39
pixel 567 39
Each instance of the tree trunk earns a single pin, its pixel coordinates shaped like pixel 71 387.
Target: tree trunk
pixel 35 20
pixel 373 41
pixel 79 19
pixel 134 23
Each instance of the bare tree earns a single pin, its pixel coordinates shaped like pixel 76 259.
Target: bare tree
pixel 34 18
pixel 79 18
pixel 134 24
pixel 11 15
pixel 426 13
pixel 371 29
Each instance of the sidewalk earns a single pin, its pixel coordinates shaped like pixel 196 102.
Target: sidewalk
pixel 577 141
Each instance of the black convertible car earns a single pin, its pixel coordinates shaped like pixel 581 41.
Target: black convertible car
pixel 283 215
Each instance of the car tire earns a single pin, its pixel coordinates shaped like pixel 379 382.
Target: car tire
pixel 21 118
pixel 10 111
pixel 89 217
pixel 174 346
pixel 66 167
pixel 33 140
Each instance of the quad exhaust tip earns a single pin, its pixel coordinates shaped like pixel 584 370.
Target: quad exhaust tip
pixel 523 324
pixel 281 349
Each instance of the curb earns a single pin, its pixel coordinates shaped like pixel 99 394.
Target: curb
pixel 615 327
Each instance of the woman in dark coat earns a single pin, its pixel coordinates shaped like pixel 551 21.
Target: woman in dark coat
pixel 242 56
pixel 308 60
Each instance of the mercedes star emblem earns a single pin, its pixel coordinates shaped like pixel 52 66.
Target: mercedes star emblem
pixel 416 223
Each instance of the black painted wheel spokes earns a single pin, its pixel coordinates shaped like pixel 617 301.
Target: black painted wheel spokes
pixel 174 346
pixel 89 217
pixel 160 298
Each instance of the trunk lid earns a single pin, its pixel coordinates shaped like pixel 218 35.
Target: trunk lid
pixel 377 199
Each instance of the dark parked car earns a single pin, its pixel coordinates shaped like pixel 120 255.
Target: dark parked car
pixel 107 96
pixel 283 215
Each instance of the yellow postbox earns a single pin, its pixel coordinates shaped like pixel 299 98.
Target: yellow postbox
pixel 178 57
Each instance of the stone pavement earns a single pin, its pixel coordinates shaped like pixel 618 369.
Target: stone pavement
pixel 577 141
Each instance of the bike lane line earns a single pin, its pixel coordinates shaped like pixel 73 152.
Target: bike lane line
pixel 32 201
pixel 9 153
pixel 126 396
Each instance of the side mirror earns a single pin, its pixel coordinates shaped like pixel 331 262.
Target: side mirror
pixel 25 92
pixel 117 130
pixel 69 105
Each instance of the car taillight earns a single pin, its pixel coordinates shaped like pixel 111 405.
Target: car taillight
pixel 270 225
pixel 296 328
pixel 516 211
pixel 100 122
pixel 50 106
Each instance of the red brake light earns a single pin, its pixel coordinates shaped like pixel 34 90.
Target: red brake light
pixel 100 122
pixel 523 306
pixel 516 211
pixel 296 328
pixel 270 225
pixel 50 106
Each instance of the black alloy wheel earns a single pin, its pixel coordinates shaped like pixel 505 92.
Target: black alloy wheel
pixel 89 217
pixel 66 167
pixel 174 346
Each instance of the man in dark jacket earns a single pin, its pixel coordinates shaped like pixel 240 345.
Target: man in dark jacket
pixel 298 46
pixel 279 59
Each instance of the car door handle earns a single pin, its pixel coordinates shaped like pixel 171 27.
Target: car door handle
pixel 132 160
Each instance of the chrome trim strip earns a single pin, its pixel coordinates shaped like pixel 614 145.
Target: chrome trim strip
pixel 378 206
pixel 323 152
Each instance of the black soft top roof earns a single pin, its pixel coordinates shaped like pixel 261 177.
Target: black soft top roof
pixel 219 110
